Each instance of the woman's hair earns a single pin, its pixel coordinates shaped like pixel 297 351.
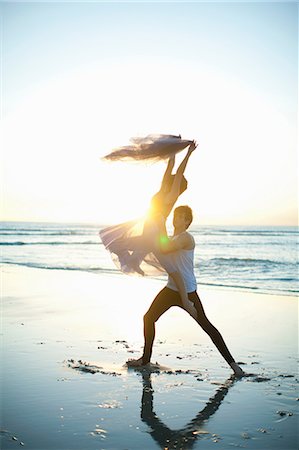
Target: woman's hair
pixel 187 211
pixel 154 147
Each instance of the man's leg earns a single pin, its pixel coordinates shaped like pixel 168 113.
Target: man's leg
pixel 214 334
pixel 206 325
pixel 162 302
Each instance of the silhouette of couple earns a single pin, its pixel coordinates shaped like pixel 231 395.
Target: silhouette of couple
pixel 144 247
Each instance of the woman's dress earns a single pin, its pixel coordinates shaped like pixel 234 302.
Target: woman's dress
pixel 134 245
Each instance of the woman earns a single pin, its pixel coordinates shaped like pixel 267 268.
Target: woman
pixel 134 246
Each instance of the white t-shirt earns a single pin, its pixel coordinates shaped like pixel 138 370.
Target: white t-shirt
pixel 183 260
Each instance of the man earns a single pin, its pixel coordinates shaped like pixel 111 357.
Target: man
pixel 181 246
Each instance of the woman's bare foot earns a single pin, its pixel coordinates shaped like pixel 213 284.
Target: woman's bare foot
pixel 137 269
pixel 135 362
pixel 135 264
pixel 237 370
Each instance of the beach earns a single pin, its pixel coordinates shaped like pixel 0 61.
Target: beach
pixel 66 336
pixel 103 103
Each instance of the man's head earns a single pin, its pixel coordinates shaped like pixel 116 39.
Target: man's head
pixel 182 217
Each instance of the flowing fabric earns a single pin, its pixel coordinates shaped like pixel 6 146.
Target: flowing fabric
pixel 134 247
pixel 154 147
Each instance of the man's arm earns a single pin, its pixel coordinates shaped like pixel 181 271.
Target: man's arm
pixel 183 242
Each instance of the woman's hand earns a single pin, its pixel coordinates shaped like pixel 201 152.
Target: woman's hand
pixel 192 147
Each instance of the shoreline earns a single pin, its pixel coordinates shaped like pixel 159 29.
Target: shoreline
pixel 66 337
pixel 204 286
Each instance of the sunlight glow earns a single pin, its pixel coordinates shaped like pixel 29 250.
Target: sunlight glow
pixel 227 80
pixel 53 167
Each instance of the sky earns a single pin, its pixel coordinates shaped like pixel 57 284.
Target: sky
pixel 79 78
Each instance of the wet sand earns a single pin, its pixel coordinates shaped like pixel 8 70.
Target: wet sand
pixel 67 335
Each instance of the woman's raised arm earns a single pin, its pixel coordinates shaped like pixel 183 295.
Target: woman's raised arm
pixel 168 170
pixel 175 189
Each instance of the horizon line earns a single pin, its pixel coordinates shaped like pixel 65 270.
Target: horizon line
pixel 66 222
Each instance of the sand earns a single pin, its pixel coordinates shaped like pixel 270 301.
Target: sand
pixel 67 335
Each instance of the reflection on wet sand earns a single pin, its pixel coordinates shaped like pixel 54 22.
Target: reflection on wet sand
pixel 186 437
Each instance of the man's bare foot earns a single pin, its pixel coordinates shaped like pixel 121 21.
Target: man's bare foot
pixel 135 362
pixel 237 370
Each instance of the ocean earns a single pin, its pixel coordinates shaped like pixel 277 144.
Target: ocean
pixel 261 259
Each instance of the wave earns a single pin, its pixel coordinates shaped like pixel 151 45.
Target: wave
pixel 51 243
pixel 252 288
pixel 46 232
pixel 245 262
pixel 36 265
pixel 256 232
